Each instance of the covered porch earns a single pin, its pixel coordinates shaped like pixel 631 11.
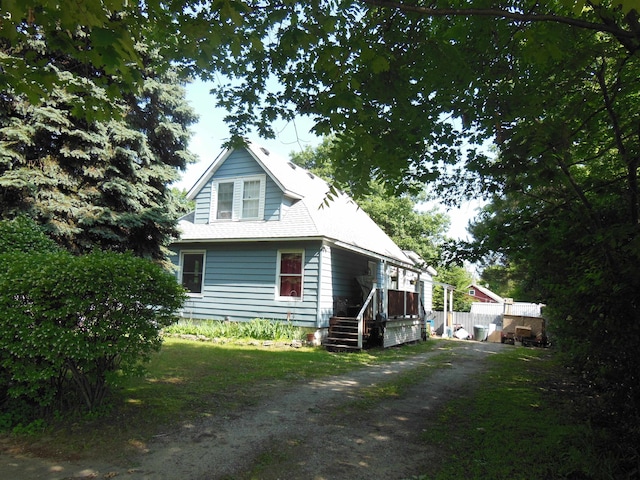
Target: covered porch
pixel 386 318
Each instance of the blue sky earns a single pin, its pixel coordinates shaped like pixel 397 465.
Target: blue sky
pixel 211 132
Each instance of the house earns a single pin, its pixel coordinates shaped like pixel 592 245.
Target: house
pixel 488 303
pixel 479 293
pixel 266 241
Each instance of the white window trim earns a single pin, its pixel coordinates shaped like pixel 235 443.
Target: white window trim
pixel 277 286
pixel 238 194
pixel 204 264
pixel 214 200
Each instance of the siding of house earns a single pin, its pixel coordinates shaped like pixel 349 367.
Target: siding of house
pixel 203 201
pixel 345 267
pixel 426 286
pixel 239 164
pixel 325 307
pixel 481 297
pixel 402 331
pixel 240 283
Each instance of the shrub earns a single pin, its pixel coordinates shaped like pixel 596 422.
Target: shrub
pixel 23 235
pixel 68 323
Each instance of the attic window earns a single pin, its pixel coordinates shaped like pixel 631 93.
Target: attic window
pixel 240 198
pixel 225 201
pixel 251 199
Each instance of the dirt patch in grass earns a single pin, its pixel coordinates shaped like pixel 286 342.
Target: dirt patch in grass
pixel 365 424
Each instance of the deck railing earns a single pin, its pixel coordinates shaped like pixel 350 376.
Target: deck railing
pixel 403 304
pixel 371 297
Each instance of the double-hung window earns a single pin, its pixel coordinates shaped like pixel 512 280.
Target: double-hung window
pixel 290 274
pixel 251 199
pixel 239 198
pixel 224 208
pixel 192 271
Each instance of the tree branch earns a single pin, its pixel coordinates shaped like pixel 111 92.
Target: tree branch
pixel 499 13
pixel 630 161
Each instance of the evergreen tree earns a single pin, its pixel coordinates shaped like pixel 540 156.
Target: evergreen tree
pixel 94 182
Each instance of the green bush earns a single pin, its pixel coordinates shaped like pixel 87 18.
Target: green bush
pixel 23 235
pixel 68 323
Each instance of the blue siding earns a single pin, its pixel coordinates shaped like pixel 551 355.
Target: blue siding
pixel 239 164
pixel 240 283
pixel 325 307
pixel 346 266
pixel 203 205
pixel 272 201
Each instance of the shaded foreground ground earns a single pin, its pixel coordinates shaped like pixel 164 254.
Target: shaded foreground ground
pixel 324 429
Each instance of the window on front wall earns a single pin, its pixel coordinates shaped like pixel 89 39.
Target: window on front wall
pixel 192 271
pixel 290 274
pixel 251 199
pixel 238 198
pixel 225 201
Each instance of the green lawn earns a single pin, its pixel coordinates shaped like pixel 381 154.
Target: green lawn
pixel 524 422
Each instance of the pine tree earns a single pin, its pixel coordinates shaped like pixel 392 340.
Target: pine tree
pixel 96 183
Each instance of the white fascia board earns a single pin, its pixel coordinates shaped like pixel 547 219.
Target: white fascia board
pixel 208 173
pixel 249 240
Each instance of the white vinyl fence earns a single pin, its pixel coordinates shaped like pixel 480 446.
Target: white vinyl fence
pixel 465 319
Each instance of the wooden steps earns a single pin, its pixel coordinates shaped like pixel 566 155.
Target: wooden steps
pixel 343 334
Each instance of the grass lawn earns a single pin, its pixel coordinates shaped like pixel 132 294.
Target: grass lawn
pixel 526 421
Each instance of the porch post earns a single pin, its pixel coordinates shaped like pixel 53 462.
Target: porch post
pixel 382 285
pixel 451 306
pixel 445 327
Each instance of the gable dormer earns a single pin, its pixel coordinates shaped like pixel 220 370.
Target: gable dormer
pixel 235 188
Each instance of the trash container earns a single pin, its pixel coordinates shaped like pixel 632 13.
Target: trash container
pixel 479 333
pixel 429 326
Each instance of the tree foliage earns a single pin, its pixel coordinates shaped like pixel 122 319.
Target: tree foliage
pixel 554 85
pixel 564 195
pixel 459 278
pixel 504 280
pixel 411 90
pixel 22 235
pixel 96 183
pixel 387 78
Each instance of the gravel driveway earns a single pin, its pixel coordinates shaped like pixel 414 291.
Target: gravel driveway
pixel 316 430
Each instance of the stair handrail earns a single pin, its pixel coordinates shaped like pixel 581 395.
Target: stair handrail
pixel 360 316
